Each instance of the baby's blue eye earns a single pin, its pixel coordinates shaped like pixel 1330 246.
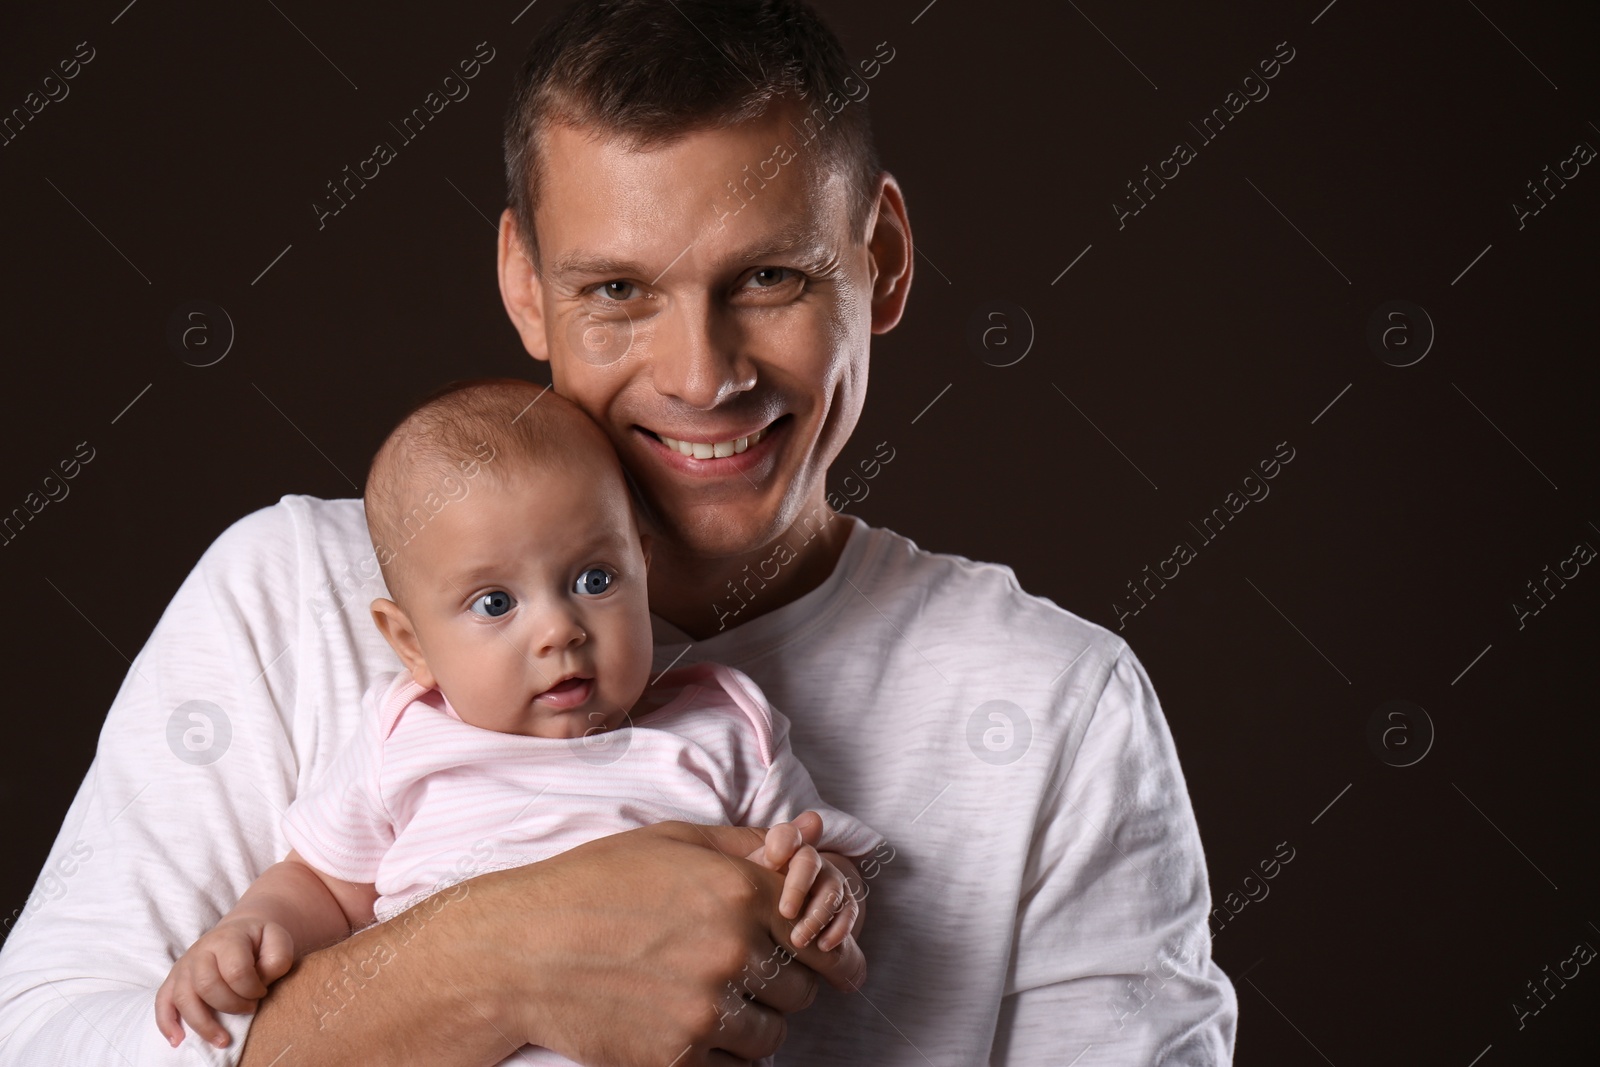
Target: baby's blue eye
pixel 493 604
pixel 593 582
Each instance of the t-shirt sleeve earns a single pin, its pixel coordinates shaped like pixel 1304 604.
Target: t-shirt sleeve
pixel 787 790
pixel 177 814
pixel 339 824
pixel 1112 946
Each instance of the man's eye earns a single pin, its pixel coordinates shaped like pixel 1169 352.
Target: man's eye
pixel 618 291
pixel 493 605
pixel 767 277
pixel 593 582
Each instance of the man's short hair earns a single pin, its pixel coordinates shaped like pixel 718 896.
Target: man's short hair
pixel 653 70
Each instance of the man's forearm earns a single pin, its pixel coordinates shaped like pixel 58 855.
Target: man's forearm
pixel 620 950
pixel 413 990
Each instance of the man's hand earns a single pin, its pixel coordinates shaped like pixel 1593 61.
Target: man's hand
pixel 662 940
pixel 227 969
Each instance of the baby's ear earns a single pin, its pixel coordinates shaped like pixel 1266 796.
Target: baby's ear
pixel 644 546
pixel 395 626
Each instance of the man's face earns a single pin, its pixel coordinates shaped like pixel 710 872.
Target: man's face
pixel 708 296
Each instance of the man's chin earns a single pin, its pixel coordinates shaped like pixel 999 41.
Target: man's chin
pixel 721 531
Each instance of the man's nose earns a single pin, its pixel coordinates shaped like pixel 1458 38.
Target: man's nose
pixel 697 355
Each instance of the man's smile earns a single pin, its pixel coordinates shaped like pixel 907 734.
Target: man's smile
pixel 730 453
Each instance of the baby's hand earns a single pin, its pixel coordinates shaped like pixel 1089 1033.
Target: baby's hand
pixel 228 969
pixel 815 890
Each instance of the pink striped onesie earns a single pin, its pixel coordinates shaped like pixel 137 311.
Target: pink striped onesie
pixel 418 800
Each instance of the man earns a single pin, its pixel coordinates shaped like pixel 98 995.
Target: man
pixel 700 243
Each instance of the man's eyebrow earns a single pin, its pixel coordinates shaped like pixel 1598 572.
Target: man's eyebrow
pixel 785 241
pixel 583 263
pixel 594 263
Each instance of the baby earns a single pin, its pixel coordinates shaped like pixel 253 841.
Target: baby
pixel 525 722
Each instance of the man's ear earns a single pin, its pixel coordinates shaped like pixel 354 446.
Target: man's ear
pixel 521 288
pixel 889 244
pixel 396 628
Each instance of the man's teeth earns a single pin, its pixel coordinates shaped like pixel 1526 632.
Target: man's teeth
pixel 717 450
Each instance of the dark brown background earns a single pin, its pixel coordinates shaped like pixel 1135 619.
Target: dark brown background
pixel 1208 330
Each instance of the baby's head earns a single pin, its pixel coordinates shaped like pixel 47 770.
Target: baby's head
pixel 516 571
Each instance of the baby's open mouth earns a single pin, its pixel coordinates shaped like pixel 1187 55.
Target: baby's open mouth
pixel 568 693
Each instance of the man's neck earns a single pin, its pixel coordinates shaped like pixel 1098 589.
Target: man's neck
pixel 702 597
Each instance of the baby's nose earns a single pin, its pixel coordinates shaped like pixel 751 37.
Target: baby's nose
pixel 561 630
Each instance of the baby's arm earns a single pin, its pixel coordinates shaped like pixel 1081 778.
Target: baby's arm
pixel 292 909
pixel 820 889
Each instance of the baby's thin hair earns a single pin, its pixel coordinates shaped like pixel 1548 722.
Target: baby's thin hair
pixel 458 434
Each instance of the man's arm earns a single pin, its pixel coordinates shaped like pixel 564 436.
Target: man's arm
pixel 173 819
pixel 1112 948
pixel 180 812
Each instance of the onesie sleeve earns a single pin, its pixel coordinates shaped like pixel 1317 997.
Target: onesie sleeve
pixel 340 824
pixel 787 790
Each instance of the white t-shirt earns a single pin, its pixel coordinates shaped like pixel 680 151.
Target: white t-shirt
pixel 1045 897
pixel 418 800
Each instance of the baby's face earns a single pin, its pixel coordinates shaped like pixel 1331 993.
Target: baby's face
pixel 528 599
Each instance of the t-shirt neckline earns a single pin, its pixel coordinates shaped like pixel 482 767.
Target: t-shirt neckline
pixel 762 634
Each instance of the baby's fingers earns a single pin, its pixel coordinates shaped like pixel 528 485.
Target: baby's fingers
pixel 809 823
pixel 277 953
pixel 804 866
pixel 191 1004
pixel 840 926
pixel 214 987
pixel 236 963
pixel 168 1021
pixel 830 901
pixel 783 840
